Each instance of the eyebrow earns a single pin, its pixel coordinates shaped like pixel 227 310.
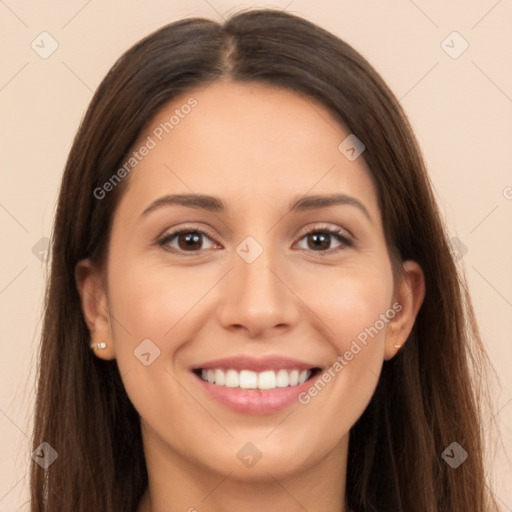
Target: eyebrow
pixel 204 202
pixel 213 204
pixel 323 201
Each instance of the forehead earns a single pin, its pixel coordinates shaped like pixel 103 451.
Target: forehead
pixel 253 144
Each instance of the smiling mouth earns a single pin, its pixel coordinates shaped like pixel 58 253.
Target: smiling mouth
pixel 248 379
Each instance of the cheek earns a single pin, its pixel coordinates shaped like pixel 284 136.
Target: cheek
pixel 150 300
pixel 351 305
pixel 350 300
pixel 148 308
pixel 153 301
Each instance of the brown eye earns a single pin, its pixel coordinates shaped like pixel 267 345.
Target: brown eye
pixel 187 241
pixel 321 240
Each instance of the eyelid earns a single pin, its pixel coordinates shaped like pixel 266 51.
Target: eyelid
pixel 326 227
pixel 345 239
pixel 170 234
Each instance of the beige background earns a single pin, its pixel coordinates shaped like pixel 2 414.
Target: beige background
pixel 460 109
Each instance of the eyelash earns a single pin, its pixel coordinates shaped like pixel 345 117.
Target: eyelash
pixel 336 233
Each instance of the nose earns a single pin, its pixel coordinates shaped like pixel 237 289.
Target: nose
pixel 258 298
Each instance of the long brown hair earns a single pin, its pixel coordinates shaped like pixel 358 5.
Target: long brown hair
pixel 427 396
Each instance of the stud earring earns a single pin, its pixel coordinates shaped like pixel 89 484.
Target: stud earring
pixel 396 346
pixel 99 346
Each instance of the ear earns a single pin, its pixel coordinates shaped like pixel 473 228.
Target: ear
pixel 408 298
pixel 93 296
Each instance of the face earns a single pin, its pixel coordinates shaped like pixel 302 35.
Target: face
pixel 262 284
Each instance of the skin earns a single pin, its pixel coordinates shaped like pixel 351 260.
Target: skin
pixel 257 148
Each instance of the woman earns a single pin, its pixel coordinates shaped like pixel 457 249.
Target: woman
pixel 252 299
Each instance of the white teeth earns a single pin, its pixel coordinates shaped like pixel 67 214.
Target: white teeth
pixel 282 379
pixel 219 377
pixel 267 380
pixel 232 380
pixel 248 379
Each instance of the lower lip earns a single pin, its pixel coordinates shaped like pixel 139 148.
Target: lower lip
pixel 253 401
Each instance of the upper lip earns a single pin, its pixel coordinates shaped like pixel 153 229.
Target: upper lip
pixel 257 364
